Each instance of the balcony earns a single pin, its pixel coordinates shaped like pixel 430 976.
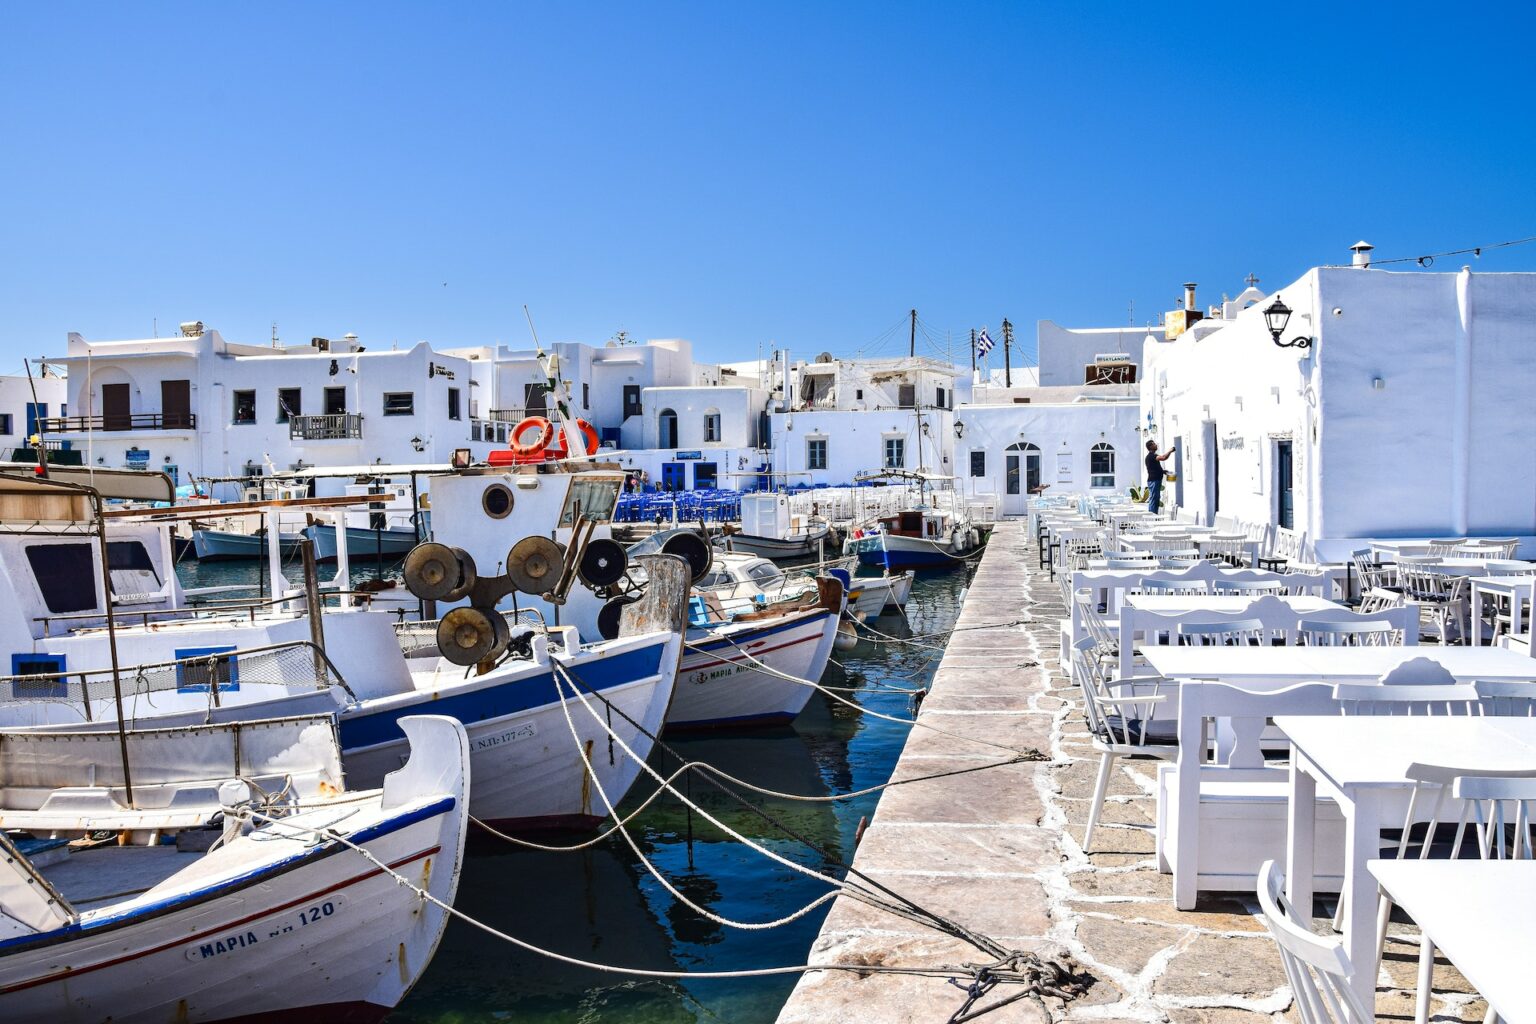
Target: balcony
pixel 342 427
pixel 119 421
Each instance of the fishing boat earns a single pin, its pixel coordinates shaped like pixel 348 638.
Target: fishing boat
pixel 918 538
pixel 736 579
pixel 385 530
pixel 770 530
pixel 222 538
pixel 509 678
pixel 286 914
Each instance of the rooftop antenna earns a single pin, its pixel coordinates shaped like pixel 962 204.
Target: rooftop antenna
pixel 154 327
pixel 1130 314
pixel 274 334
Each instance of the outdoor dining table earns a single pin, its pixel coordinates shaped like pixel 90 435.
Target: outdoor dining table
pixel 1273 668
pixel 1361 763
pixel 1516 588
pixel 1478 914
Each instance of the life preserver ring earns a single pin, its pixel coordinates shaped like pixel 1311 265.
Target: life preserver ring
pixel 546 435
pixel 589 434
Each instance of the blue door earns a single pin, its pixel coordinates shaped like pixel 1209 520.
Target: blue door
pixel 35 411
pixel 674 476
pixel 1284 485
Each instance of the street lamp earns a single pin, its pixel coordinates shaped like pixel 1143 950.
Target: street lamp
pixel 959 430
pixel 1276 315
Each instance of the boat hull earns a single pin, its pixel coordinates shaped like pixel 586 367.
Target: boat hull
pixel 870 596
pixel 719 687
pixel 330 931
pixel 528 770
pixel 894 552
pixel 222 546
pixel 776 547
pixel 362 544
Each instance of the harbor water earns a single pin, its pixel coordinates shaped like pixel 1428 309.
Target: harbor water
pixel 602 905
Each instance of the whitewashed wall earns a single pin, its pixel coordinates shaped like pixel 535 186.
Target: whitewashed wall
pixel 1065 436
pixel 1065 351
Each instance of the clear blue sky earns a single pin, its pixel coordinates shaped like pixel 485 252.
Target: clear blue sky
pixel 734 173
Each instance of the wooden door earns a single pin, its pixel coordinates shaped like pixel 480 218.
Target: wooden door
pixel 176 403
pixel 114 407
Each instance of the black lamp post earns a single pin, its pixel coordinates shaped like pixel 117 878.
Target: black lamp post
pixel 1276 315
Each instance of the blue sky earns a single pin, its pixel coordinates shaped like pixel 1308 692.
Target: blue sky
pixel 736 173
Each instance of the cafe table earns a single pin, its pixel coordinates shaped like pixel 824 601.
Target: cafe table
pixel 1272 668
pixel 1361 763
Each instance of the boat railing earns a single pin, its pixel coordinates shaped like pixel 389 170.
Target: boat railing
pixel 297 666
pixel 419 638
pixel 250 608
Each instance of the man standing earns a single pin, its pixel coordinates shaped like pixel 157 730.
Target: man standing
pixel 1155 474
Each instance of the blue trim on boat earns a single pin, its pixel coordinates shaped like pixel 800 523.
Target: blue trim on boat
pixel 360 727
pixel 173 903
pixel 709 646
pixel 908 559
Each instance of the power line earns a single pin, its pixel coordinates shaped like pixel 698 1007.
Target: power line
pixel 1428 260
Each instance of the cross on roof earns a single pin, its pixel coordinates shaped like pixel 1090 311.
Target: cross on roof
pixel 1250 280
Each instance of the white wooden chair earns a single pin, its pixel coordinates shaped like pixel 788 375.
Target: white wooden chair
pixel 1445 548
pixel 1499 808
pixel 1264 620
pixel 1225 633
pixel 1221 807
pixel 1380 599
pixel 1506 700
pixel 1231 548
pixel 1120 719
pixel 1441 598
pixel 1317 968
pixel 1363 632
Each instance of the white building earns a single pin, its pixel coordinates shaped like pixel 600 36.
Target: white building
pixel 1408 414
pixel 25 401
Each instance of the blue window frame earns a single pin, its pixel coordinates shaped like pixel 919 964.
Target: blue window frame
pixel 212 666
pixel 38 665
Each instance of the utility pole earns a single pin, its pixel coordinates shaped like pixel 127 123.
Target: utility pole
pixel 973 355
pixel 912 337
pixel 1007 348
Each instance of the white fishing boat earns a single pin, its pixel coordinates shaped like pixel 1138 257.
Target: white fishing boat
pixel 752 672
pixel 280 918
pixel 218 538
pixel 261 659
pixel 737 580
pixel 919 538
pixel 769 529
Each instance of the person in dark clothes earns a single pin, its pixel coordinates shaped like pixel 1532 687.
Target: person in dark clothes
pixel 1155 474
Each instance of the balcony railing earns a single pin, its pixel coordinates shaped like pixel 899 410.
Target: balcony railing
pixel 342 427
pixel 120 421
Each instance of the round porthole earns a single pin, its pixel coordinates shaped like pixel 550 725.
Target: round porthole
pixel 497 501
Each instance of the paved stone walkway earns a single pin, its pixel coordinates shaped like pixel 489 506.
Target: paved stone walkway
pixel 999 850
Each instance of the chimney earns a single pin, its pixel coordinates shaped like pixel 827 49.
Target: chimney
pixel 1177 321
pixel 1362 257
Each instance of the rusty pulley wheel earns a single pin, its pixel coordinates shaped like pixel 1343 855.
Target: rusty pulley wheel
pixel 602 563
pixel 534 564
pixel 468 636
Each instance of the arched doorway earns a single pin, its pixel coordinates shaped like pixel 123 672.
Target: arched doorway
pixel 666 429
pixel 1021 465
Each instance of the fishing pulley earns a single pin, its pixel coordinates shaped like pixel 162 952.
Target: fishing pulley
pixel 437 572
pixel 534 564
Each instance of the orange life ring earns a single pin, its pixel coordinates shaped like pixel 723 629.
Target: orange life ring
pixel 546 435
pixel 589 432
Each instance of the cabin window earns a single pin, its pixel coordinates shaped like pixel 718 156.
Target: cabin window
pixel 43 665
pixel 290 403
pixel 586 395
pixel 816 453
pixel 978 463
pixel 596 497
pixel 399 403
pixel 765 572
pixel 712 580
pixel 453 403
pixel 711 427
pixel 131 571
pixel 66 576
pixel 5 424
pixel 1101 466
pixel 497 501
pixel 895 453
pixel 244 407
pixel 199 669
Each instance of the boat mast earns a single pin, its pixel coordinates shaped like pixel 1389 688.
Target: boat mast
pixel 917 405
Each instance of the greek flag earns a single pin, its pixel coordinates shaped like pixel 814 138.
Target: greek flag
pixel 983 342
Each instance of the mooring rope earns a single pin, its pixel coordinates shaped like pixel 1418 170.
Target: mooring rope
pixel 1060 977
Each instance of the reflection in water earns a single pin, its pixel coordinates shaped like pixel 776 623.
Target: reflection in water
pixel 603 906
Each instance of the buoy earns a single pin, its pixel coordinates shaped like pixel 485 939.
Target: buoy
pixel 846 639
pixel 537 446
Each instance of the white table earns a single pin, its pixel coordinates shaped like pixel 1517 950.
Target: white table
pixel 1478 914
pixel 1361 763
pixel 1271 668
pixel 1516 588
